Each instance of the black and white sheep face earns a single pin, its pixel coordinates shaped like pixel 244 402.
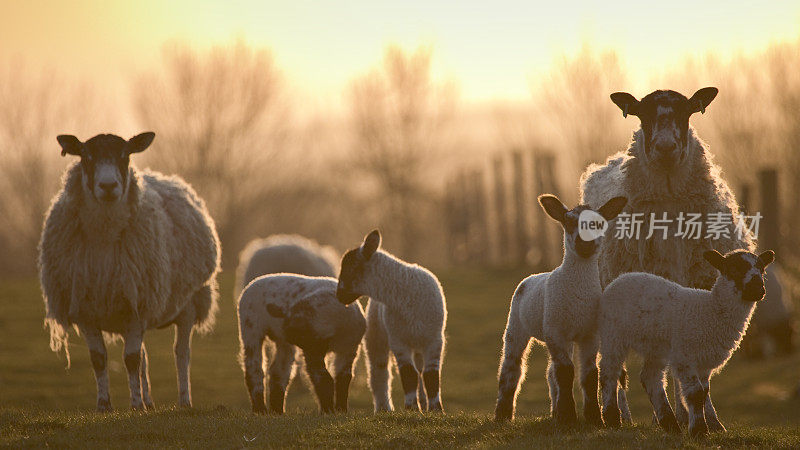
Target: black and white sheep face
pixel 304 324
pixel 664 117
pixel 105 159
pixel 570 222
pixel 744 269
pixel 354 265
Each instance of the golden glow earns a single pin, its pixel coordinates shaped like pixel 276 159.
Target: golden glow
pixel 492 49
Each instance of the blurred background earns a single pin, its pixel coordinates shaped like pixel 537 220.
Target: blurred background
pixel 439 124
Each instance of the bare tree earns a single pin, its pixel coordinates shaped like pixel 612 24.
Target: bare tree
pixel 221 122
pixel 38 104
pixel 574 100
pixel 398 113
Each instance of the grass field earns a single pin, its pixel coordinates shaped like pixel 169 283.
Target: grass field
pixel 42 403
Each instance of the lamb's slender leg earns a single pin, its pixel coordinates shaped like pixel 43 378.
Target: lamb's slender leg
pixel 409 376
pixel 565 374
pixel 320 378
pixel 253 360
pixel 694 394
pixel 280 375
pixel 652 377
pixel 714 425
pixel 622 396
pixel 378 359
pixel 610 371
pixel 183 353
pixel 343 371
pixel 144 370
pixel 587 355
pixel 680 409
pixel 133 358
pixel 99 358
pixel 419 364
pixel 512 370
pixel 432 374
pixel 552 388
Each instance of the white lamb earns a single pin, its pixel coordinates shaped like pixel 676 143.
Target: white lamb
pixel 692 331
pixel 297 310
pixel 124 251
pixel 557 309
pixel 406 315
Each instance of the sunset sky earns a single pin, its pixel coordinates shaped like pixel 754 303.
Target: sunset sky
pixel 491 49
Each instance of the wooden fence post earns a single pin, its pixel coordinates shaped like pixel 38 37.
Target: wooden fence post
pixel 521 244
pixel 769 228
pixel 502 234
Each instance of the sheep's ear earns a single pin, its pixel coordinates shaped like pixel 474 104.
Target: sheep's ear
pixel 613 207
pixel 70 144
pixel 275 311
pixel 140 142
pixel 626 102
pixel 715 258
pixel 553 207
pixel 371 244
pixel 701 99
pixel 766 258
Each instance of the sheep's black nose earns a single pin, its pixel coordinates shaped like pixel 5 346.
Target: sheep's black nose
pixel 666 148
pixel 108 187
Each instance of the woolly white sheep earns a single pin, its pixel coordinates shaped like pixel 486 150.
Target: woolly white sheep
pixel 557 309
pixel 124 251
pixel 281 253
pixel 692 331
pixel 666 169
pixel 406 315
pixel 296 310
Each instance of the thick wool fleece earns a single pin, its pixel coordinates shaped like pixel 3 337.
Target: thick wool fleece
pixel 282 253
pixel 143 258
pixel 696 187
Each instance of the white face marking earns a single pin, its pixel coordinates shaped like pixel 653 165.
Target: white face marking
pixel 754 272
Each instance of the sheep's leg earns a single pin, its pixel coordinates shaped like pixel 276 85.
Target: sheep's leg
pixel 419 364
pixel 320 378
pixel 252 358
pixel 587 355
pixel 280 375
pixel 144 371
pixel 565 374
pixel 133 358
pixel 694 394
pixel 714 425
pixel 377 352
pixel 512 370
pixel 409 376
pixel 610 372
pixel 183 353
pixel 652 377
pixel 431 375
pixel 552 389
pixel 99 358
pixel 622 396
pixel 680 409
pixel 343 369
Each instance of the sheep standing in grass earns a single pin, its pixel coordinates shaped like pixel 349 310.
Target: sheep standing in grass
pixel 298 311
pixel 124 251
pixel 668 170
pixel 693 331
pixel 282 253
pixel 406 316
pixel 558 308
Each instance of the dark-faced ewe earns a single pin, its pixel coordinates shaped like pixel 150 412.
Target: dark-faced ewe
pixel 124 251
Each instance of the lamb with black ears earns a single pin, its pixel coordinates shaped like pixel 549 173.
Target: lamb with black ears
pixel 406 316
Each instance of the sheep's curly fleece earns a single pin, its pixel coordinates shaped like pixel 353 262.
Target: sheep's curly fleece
pixel 697 187
pixel 146 256
pixel 284 253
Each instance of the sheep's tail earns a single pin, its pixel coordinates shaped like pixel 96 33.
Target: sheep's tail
pixel 206 306
pixel 59 338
